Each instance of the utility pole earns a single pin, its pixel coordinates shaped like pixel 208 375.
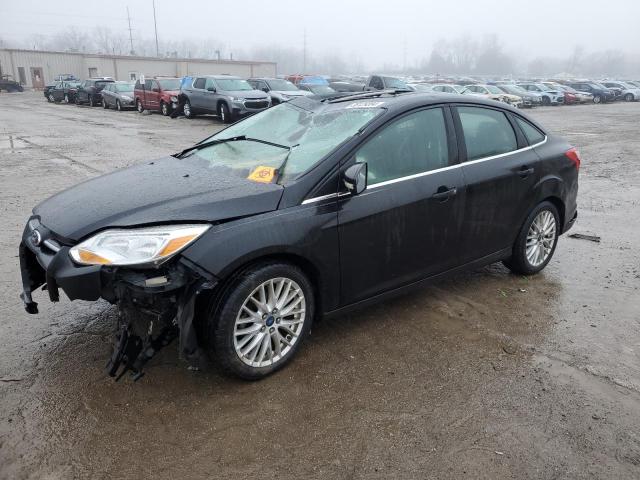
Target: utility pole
pixel 155 24
pixel 304 52
pixel 130 34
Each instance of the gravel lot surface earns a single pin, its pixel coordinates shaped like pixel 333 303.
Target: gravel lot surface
pixel 487 375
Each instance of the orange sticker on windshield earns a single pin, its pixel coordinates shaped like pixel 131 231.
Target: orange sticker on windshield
pixel 263 174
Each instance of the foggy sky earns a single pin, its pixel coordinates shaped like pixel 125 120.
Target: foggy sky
pixel 374 32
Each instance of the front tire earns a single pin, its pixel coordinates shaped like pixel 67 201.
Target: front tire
pixel 66 98
pixel 597 99
pixel 165 109
pixel 105 105
pixel 186 109
pixel 51 98
pixel 139 106
pixel 546 101
pixel 224 113
pixel 92 102
pixel 629 97
pixel 537 240
pixel 261 321
pixel 118 106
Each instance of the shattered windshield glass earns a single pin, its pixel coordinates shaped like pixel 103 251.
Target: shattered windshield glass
pixel 303 136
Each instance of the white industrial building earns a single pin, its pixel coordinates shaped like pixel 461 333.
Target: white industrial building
pixel 35 68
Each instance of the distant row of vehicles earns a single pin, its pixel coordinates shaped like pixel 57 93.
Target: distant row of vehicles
pixel 230 97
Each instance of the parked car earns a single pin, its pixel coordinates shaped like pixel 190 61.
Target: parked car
pixel 61 91
pixel 450 88
pixel 228 97
pixel 235 245
pixel 90 90
pixel 346 87
pixel 157 94
pixel 297 79
pixel 628 91
pixel 569 97
pixel 581 97
pixel 279 90
pixel 9 85
pixel 529 99
pixel 420 87
pixel 494 93
pixel 549 95
pixel 600 93
pixel 118 95
pixel 317 89
pixel 380 82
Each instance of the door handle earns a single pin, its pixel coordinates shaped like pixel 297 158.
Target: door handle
pixel 444 193
pixel 524 172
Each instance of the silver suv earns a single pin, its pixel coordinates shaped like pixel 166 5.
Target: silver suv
pixel 223 95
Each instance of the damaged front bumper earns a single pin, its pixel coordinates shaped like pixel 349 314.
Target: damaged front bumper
pixel 157 304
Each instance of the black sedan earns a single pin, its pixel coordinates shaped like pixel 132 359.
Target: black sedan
pixel 62 91
pixel 236 245
pixel 90 91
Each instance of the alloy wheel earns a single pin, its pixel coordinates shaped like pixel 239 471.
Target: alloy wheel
pixel 66 98
pixel 540 238
pixel 186 109
pixel 51 98
pixel 270 322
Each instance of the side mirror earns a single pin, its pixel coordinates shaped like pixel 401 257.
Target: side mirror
pixel 265 89
pixel 211 89
pixel 355 178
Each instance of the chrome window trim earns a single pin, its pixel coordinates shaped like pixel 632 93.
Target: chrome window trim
pixel 451 167
pixel 430 172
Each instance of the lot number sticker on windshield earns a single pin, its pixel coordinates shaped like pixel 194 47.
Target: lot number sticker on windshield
pixel 365 105
pixel 262 174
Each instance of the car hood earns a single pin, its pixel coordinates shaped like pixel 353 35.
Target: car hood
pixel 293 93
pixel 246 94
pixel 167 190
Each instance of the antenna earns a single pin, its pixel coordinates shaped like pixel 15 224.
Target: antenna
pixel 130 34
pixel 155 25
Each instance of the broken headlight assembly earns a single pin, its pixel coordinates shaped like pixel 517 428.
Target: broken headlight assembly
pixel 149 246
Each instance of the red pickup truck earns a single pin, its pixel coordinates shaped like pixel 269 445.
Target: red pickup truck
pixel 156 94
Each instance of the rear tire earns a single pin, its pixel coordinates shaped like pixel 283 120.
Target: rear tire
pixel 66 98
pixel 92 102
pixel 597 99
pixel 277 334
pixel 536 243
pixel 104 104
pixel 118 106
pixel 51 98
pixel 629 97
pixel 546 101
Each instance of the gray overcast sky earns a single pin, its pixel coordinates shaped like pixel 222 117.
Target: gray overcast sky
pixel 374 31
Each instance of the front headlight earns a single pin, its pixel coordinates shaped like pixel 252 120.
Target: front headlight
pixel 126 97
pixel 174 99
pixel 150 245
pixel 237 99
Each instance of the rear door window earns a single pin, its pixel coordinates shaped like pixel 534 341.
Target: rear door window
pixel 486 132
pixel 199 83
pixel 532 133
pixel 415 143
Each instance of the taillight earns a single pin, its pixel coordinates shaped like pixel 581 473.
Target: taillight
pixel 574 155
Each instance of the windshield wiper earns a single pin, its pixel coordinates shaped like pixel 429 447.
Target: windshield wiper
pixel 238 138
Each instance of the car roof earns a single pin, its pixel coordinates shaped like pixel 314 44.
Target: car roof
pixel 219 77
